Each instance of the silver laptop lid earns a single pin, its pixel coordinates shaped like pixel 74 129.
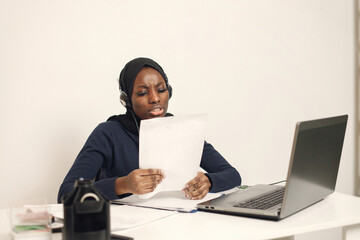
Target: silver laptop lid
pixel 314 162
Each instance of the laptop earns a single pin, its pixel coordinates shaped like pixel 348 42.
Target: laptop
pixel 312 175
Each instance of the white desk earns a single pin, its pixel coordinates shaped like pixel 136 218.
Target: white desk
pixel 337 210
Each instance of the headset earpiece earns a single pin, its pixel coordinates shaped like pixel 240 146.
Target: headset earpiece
pixel 124 99
pixel 168 86
pixel 169 90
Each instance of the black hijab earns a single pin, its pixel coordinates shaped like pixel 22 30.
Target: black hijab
pixel 126 83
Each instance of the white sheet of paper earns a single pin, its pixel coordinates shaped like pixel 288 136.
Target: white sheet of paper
pixel 175 145
pixel 124 216
pixel 171 200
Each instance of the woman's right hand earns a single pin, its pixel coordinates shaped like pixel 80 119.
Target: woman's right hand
pixel 139 181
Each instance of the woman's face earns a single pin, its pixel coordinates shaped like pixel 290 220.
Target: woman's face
pixel 150 96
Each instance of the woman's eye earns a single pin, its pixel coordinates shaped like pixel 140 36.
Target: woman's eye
pixel 162 90
pixel 140 94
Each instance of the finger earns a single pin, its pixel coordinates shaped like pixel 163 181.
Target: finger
pixel 151 171
pixel 139 181
pixel 151 178
pixel 199 193
pixel 146 187
pixel 194 192
pixel 146 190
pixel 192 188
pixel 200 196
pixel 193 182
pixel 151 183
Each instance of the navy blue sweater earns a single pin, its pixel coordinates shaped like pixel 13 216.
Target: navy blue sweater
pixel 114 150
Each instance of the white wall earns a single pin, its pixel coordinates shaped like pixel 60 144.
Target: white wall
pixel 255 66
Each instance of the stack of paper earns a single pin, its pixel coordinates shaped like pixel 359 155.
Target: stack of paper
pixel 172 200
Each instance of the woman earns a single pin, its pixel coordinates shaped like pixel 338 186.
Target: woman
pixel 111 153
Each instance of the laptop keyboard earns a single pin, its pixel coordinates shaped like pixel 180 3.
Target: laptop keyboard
pixel 263 201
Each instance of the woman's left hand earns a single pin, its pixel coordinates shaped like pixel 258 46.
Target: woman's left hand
pixel 198 187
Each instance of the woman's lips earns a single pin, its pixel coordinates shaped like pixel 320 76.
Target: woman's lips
pixel 156 111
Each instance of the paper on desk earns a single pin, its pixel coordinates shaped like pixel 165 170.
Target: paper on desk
pixel 172 200
pixel 175 145
pixel 123 216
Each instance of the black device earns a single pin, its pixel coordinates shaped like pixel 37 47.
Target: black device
pixel 86 213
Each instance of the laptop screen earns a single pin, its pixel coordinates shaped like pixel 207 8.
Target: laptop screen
pixel 314 163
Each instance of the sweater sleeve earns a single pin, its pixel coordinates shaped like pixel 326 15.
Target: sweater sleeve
pixel 220 173
pixel 96 153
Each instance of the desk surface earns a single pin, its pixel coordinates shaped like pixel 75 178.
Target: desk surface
pixel 337 210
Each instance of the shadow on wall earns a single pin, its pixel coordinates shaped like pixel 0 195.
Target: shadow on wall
pixel 357 98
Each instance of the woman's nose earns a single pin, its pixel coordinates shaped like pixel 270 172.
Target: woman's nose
pixel 154 96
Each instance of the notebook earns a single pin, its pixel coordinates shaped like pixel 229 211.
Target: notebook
pixel 312 174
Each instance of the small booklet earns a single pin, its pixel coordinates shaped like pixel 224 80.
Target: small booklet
pixel 170 200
